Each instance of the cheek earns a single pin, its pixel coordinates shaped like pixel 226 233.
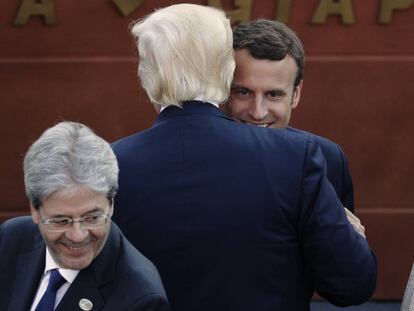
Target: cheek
pixel 281 110
pixel 100 242
pixel 236 107
pixel 277 111
pixel 51 239
pixel 101 235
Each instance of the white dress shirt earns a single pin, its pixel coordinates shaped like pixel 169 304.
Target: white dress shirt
pixel 68 274
pixel 199 98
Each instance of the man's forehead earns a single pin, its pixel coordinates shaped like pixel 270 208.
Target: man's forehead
pixel 262 72
pixel 78 201
pixel 248 51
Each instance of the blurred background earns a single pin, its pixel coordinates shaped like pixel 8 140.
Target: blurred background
pixel 75 60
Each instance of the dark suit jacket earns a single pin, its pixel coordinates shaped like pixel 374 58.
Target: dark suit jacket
pixel 238 217
pixel 337 169
pixel 119 278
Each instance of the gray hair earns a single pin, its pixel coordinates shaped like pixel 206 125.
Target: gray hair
pixel 69 155
pixel 185 51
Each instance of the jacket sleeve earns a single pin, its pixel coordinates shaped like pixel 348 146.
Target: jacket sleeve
pixel 338 258
pixel 347 196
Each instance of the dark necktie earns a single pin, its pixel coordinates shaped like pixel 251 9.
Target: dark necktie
pixel 47 303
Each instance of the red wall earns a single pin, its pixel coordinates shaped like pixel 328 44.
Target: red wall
pixel 357 91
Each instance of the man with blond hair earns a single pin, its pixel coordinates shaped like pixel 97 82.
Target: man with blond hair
pixel 235 217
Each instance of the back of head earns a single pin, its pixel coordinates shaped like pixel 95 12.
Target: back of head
pixel 185 51
pixel 272 40
pixel 69 155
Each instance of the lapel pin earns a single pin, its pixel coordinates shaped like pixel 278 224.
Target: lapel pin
pixel 85 304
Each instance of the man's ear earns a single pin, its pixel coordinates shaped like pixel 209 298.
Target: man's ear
pixel 111 209
pixel 296 94
pixel 157 107
pixel 223 106
pixel 35 214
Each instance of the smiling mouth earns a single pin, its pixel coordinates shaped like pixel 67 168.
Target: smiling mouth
pixel 77 248
pixel 259 124
pixel 74 248
pixel 76 251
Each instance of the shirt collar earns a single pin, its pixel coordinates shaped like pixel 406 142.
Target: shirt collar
pixel 68 274
pixel 199 98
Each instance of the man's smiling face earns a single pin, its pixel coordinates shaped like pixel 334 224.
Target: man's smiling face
pixel 263 91
pixel 76 247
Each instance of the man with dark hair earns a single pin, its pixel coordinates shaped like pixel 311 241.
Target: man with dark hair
pixel 267 86
pixel 69 255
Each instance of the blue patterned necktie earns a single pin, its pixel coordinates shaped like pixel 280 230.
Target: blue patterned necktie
pixel 47 303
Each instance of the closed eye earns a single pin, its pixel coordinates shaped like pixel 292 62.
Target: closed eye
pixel 59 221
pixel 93 218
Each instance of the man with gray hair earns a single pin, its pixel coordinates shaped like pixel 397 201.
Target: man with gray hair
pixel 235 217
pixel 69 254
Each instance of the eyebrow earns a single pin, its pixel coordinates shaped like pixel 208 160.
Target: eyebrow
pixel 277 92
pixel 95 210
pixel 236 86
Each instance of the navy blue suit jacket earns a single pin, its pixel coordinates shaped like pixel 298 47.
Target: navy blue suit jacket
pixel 119 278
pixel 337 169
pixel 238 217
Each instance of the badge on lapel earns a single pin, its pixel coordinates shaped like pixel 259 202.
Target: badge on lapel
pixel 85 304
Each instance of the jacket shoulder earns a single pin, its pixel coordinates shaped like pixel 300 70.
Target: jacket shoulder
pixel 324 143
pixel 13 227
pixel 134 270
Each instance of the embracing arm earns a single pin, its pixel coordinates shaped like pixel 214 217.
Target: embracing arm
pixel 339 259
pixel 347 196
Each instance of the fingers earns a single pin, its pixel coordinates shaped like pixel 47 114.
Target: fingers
pixel 355 222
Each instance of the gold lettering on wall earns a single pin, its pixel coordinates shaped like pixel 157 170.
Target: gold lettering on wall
pixel 241 14
pixel 30 8
pixel 329 7
pixel 282 13
pixel 126 7
pixel 388 6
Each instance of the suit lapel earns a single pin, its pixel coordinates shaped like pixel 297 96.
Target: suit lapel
pixel 29 271
pixel 84 287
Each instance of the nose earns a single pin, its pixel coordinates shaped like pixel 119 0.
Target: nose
pixel 258 109
pixel 76 233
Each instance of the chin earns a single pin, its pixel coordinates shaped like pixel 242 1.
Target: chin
pixel 76 263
